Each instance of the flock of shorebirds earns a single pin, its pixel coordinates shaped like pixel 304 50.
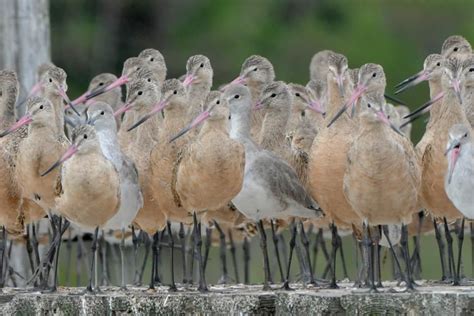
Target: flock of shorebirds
pixel 256 154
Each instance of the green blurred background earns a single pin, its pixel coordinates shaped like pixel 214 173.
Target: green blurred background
pixel 90 37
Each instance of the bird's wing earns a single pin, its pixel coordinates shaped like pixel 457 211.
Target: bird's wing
pixel 283 181
pixel 174 179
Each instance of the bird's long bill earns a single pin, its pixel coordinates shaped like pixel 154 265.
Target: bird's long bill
pixel 126 107
pixel 425 105
pixel 189 79
pixel 414 118
pixel 356 94
pixel 457 89
pixel 238 80
pixel 383 117
pixel 156 109
pixel 68 101
pixel 35 89
pixel 453 151
pixel 25 120
pixel 81 99
pixel 393 99
pixel 316 106
pixel 413 81
pixel 409 79
pixel 68 154
pixel 117 83
pixel 258 106
pixel 338 114
pixel 198 120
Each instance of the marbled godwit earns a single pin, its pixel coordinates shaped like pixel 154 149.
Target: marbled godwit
pixel 455 46
pixel 256 73
pixel 112 98
pixel 271 188
pixel 137 145
pixel 467 88
pixel 198 83
pixel 319 64
pixel 328 154
pixel 101 115
pixel 90 185
pixel 212 160
pixel 378 194
pixel 459 181
pixel 431 148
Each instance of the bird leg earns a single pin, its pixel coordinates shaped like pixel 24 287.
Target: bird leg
pixel 154 249
pixel 158 257
pixel 145 259
pixel 234 257
pixel 122 258
pixel 29 249
pixel 449 241
pixel 457 279
pixel 416 254
pixel 2 256
pixel 34 241
pixel 191 255
pixel 301 261
pixel 376 247
pixel 471 226
pixel 135 244
pixel 441 246
pixel 277 252
pixel 79 261
pixel 103 259
pixel 94 252
pixel 305 242
pixel 341 253
pixel 315 251
pixel 246 250
pixel 197 246
pixel 171 245
pixel 182 240
pixel 406 256
pixel 222 253
pixel 368 255
pixel 69 258
pixel 266 264
pixel 286 285
pixel 207 246
pixel 335 244
pixel 392 250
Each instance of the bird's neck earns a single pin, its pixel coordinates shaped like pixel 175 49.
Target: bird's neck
pixel 109 145
pixel 240 129
pixel 197 94
pixel 58 105
pixel 334 99
pixel 7 112
pixel 212 126
pixel 447 111
pixel 274 128
pixel 467 96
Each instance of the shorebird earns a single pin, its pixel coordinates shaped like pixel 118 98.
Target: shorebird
pixel 137 144
pixel 319 64
pixel 256 73
pixel 210 170
pixel 431 148
pixel 467 88
pixel 271 189
pixel 376 192
pixel 328 154
pixel 112 97
pixel 90 186
pixel 101 115
pixel 198 83
pixel 455 46
pixel 459 180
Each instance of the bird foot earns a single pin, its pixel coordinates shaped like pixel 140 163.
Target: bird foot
pixel 286 286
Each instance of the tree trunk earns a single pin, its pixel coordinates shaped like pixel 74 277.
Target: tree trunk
pixel 24 39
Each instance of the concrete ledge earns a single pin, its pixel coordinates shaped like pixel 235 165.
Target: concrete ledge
pixel 429 299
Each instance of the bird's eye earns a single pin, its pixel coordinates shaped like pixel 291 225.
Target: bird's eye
pixel 50 80
pixel 41 107
pixel 148 80
pixel 255 69
pixel 465 135
pixel 102 113
pixel 236 96
pixel 471 69
pixel 297 94
pixel 1 93
pixel 152 59
pixel 202 65
pixel 438 64
pixel 101 84
pixel 388 117
pixel 85 136
pixel 230 117
pixel 368 105
pixel 175 92
pixel 273 95
pixel 138 68
pixel 303 113
pixel 455 49
pixel 374 75
pixel 140 92
pixel 218 102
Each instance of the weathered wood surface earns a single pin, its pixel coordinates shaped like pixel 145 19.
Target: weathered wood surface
pixel 427 300
pixel 24 39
